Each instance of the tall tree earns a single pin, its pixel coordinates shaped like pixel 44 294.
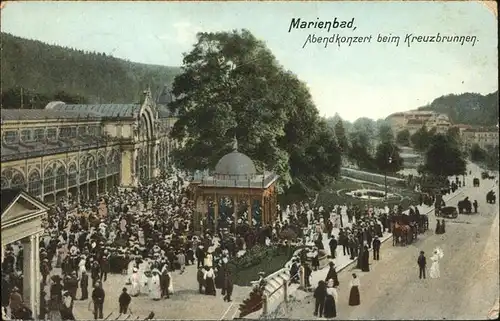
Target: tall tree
pixel 421 139
pixel 359 152
pixel 387 158
pixel 403 137
pixel 385 133
pixel 232 85
pixel 477 154
pixel 341 136
pixel 444 157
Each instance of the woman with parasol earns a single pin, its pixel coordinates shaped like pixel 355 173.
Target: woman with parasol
pixel 434 272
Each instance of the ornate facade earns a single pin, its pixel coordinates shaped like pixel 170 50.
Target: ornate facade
pixel 84 149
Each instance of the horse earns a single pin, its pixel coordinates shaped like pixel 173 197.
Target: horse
pixel 401 234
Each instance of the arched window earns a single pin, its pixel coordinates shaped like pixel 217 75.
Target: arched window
pixel 35 184
pixel 83 170
pixel 143 129
pixel 72 175
pixel 5 182
pixel 48 180
pixel 101 164
pixel 18 181
pixel 91 169
pixel 61 178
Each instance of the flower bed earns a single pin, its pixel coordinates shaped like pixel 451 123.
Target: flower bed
pixel 267 259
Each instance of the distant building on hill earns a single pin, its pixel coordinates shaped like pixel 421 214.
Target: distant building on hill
pixel 413 120
pixel 485 137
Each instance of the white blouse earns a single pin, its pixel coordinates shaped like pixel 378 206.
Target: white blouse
pixel 355 282
pixel 209 274
pixel 332 292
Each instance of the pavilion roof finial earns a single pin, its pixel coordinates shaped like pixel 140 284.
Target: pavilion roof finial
pixel 235 144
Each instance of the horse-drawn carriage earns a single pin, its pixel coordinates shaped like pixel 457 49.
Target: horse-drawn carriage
pixel 447 212
pixel 491 197
pixel 475 182
pixel 405 228
pixel 464 206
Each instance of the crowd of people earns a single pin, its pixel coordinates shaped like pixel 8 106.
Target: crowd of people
pixel 148 233
pixel 145 233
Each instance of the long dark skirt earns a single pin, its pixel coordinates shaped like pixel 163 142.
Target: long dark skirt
pixel 219 280
pixel 209 286
pixel 354 296
pixel 330 310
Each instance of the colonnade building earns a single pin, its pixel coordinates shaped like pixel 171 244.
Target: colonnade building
pixel 85 150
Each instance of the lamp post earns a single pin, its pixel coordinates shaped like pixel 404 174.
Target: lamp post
pixel 385 175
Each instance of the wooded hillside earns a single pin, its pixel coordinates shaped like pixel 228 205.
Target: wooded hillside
pixel 46 71
pixel 468 108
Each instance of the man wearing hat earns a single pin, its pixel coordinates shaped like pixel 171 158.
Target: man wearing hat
pixel 45 270
pixel 105 266
pixel 200 255
pixel 72 284
pixel 124 301
pixel 84 285
pixel 332 274
pixel 98 299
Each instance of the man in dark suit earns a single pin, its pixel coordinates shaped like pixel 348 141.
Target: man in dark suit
pixel 376 248
pixel 84 285
pixel 422 262
pixel 333 247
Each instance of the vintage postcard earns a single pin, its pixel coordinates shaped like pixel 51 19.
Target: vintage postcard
pixel 224 160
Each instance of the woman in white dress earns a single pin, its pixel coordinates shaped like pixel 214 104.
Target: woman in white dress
pixel 434 270
pixel 135 283
pixel 208 261
pixel 143 270
pixel 155 289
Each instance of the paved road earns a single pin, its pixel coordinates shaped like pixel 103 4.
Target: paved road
pixel 469 283
pixel 186 302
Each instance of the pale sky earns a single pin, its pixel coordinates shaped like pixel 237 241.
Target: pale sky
pixel 364 80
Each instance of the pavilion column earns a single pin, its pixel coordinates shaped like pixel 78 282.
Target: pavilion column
pixel 249 216
pixel 38 276
pixel 273 207
pixel 235 211
pixel 30 273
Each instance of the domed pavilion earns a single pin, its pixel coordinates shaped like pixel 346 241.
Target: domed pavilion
pixel 235 192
